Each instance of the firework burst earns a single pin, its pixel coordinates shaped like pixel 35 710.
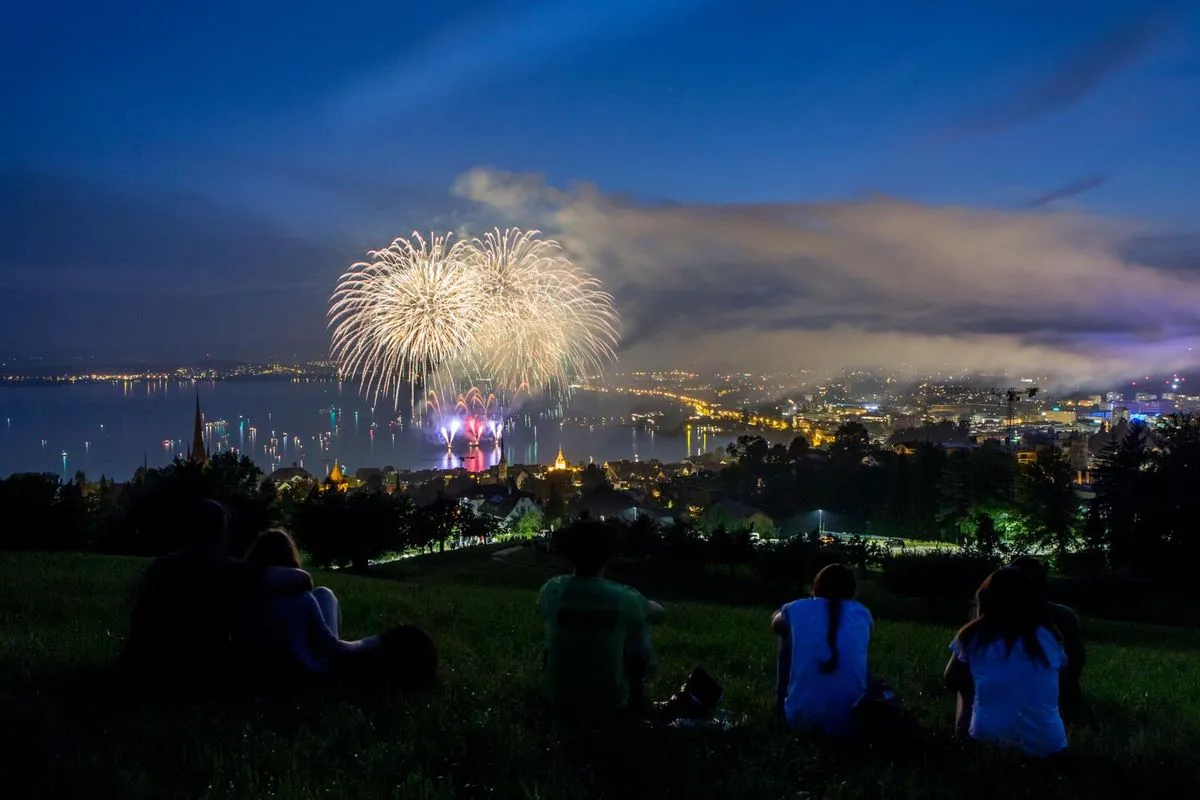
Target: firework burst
pixel 509 306
pixel 405 315
pixel 546 320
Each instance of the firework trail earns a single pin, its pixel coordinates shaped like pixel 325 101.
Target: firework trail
pixel 510 306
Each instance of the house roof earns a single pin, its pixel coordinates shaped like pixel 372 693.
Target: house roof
pixel 291 473
pixel 734 509
pixel 605 501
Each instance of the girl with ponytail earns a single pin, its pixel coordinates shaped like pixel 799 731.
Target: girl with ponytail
pixel 823 653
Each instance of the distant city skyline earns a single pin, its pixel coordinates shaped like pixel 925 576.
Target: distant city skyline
pixel 1003 185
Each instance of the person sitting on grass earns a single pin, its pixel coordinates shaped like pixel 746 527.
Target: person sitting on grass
pixel 822 667
pixel 1064 620
pixel 298 636
pixel 1006 664
pixel 180 630
pixel 597 631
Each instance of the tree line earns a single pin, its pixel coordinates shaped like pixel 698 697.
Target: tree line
pixel 1140 521
pixel 342 529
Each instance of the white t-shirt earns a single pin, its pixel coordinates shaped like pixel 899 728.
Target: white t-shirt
pixel 1016 697
pixel 815 699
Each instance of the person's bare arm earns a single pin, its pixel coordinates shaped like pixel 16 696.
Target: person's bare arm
pixel 957 674
pixel 959 679
pixel 655 613
pixel 779 625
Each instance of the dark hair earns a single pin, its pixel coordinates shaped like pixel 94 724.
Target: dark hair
pixel 1010 608
pixel 274 548
pixel 205 524
pixel 1035 568
pixel 589 545
pixel 834 584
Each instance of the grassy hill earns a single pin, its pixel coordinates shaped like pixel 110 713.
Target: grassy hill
pixel 479 734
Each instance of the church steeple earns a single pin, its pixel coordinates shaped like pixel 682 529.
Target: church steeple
pixel 198 455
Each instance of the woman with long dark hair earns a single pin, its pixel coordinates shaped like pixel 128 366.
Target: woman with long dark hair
pixel 1008 661
pixel 823 653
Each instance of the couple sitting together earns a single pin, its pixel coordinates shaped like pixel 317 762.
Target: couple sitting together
pixel 204 616
pixel 1015 666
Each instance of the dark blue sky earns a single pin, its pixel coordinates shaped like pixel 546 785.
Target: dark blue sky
pixel 185 180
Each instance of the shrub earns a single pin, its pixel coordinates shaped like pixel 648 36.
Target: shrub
pixel 942 578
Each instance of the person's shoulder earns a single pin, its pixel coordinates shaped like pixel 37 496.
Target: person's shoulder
pixel 553 587
pixel 622 590
pixel 800 605
pixel 1061 614
pixel 1048 638
pixel 555 582
pixel 860 610
pixel 802 609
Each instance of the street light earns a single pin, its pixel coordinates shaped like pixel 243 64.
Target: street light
pixel 820 520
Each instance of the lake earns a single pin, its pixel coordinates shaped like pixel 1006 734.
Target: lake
pixel 113 428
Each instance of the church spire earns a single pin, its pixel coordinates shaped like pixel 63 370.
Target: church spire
pixel 198 455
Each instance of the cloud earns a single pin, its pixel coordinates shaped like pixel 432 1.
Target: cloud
pixel 1072 189
pixel 1073 78
pixel 876 283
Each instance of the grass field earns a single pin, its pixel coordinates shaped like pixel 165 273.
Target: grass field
pixel 479 734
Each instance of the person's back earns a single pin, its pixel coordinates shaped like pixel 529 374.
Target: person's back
pixel 590 624
pixel 1016 694
pixel 1065 621
pixel 816 697
pixel 182 618
pixel 1005 667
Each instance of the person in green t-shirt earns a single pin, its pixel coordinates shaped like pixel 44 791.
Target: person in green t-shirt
pixel 597 631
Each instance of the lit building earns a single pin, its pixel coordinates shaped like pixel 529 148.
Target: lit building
pixel 336 479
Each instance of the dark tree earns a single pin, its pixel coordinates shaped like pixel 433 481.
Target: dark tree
pixel 556 505
pixel 1048 503
pixel 592 478
pixel 851 442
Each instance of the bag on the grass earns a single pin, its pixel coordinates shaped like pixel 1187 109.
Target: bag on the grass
pixel 881 717
pixel 697 698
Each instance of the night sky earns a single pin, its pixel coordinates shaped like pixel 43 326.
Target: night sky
pixel 1000 185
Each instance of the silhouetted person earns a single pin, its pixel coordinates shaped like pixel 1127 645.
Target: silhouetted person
pixel 180 631
pixel 597 631
pixel 1005 666
pixel 298 635
pixel 822 669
